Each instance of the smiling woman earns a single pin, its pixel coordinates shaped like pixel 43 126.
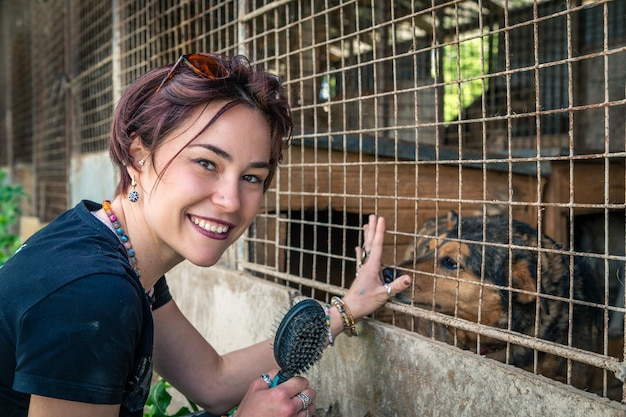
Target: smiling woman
pixel 86 307
pixel 202 188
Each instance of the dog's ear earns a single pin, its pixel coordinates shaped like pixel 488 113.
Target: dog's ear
pixel 523 279
pixel 409 252
pixel 453 220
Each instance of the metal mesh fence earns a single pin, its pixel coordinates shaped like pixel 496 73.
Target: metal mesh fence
pixel 491 110
pixel 18 91
pixel 91 42
pixel 49 116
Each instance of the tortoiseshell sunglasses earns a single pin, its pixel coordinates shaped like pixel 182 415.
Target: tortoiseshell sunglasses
pixel 205 65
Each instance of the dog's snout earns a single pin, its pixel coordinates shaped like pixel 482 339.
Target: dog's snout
pixel 390 274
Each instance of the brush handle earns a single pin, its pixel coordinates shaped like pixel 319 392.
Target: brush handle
pixel 279 379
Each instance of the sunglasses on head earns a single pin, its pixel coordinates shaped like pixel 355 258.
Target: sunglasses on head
pixel 205 65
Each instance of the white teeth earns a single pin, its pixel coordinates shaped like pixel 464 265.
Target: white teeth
pixel 210 227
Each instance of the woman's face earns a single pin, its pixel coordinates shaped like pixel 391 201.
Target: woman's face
pixel 212 190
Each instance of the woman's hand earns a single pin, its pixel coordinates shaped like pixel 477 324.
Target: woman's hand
pixel 285 400
pixel 368 292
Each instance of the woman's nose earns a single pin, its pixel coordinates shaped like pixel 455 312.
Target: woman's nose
pixel 228 196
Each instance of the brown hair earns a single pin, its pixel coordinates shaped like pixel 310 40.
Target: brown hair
pixel 152 114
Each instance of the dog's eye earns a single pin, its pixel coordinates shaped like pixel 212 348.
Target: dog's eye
pixel 449 263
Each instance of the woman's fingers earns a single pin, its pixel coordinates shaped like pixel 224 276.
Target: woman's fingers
pixel 373 237
pixel 367 293
pixel 306 399
pixel 371 230
pixel 397 285
pixel 294 397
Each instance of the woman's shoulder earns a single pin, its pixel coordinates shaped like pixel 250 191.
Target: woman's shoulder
pixel 72 224
pixel 75 251
pixel 76 237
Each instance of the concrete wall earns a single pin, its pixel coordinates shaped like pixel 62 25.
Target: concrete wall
pixel 383 372
pixel 92 177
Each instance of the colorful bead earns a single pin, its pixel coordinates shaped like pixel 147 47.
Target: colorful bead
pixel 348 320
pixel 125 240
pixel 330 332
pixel 119 230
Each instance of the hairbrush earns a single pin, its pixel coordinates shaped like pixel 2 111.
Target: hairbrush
pixel 300 339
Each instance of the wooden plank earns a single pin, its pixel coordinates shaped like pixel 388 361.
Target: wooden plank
pixel 365 184
pixel 589 184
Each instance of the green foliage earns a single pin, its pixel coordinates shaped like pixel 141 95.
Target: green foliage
pixel 159 400
pixel 10 198
pixel 464 66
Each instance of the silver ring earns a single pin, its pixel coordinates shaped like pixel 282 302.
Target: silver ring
pixel 267 379
pixel 305 400
pixel 388 288
pixel 364 254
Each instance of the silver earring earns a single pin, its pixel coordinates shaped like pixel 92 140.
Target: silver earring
pixel 141 163
pixel 133 195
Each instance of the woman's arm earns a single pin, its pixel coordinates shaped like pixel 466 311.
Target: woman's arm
pixel 186 360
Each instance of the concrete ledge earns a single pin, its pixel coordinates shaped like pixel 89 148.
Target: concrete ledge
pixel 385 371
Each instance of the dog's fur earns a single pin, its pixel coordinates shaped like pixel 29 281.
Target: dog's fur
pixel 473 269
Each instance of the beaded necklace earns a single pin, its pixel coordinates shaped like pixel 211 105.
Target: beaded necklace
pixel 123 237
pixel 119 230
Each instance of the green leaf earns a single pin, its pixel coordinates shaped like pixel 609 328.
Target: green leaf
pixel 10 198
pixel 159 400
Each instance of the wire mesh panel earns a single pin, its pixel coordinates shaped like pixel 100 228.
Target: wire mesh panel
pixel 18 87
pixel 491 137
pixel 92 76
pixel 50 86
pixel 156 32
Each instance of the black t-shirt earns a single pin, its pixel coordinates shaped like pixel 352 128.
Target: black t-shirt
pixel 75 322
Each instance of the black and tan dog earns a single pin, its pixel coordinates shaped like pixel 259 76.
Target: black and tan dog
pixel 498 273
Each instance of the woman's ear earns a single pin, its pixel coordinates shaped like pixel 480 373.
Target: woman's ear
pixel 138 154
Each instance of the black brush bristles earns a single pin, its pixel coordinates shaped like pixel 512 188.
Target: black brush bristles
pixel 300 339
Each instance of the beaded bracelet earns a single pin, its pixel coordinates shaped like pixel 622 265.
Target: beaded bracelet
pixel 330 332
pixel 348 319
